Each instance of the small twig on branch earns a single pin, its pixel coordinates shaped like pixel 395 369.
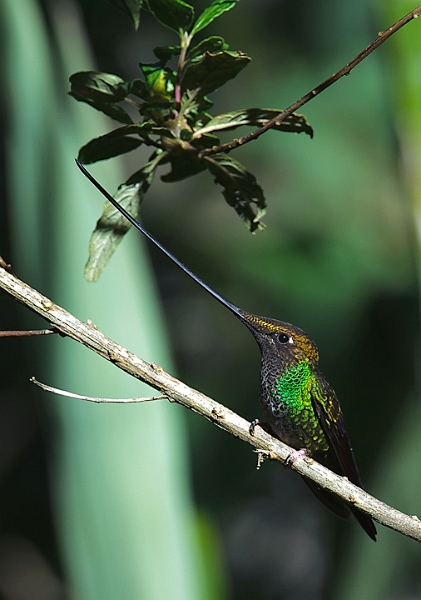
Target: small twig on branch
pixel 88 335
pixel 27 333
pixel 5 265
pixel 49 388
pixel 276 121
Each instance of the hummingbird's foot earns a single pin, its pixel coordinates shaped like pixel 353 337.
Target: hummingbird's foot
pixel 294 455
pixel 255 423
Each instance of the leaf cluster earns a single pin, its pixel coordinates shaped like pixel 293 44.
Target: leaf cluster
pixel 167 107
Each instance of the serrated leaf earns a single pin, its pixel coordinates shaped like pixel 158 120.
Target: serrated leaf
pixel 210 13
pixel 213 70
pixel 112 226
pixel 131 8
pixel 100 87
pixel 175 14
pixel 257 117
pixel 241 190
pixel 211 44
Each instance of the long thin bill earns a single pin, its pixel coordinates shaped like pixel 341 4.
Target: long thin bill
pixel 234 309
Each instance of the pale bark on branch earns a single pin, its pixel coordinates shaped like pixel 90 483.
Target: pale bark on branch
pixel 176 391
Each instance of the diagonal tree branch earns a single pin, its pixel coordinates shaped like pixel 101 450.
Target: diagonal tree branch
pixel 276 121
pixel 176 391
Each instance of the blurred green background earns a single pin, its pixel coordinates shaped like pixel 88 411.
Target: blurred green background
pixel 150 502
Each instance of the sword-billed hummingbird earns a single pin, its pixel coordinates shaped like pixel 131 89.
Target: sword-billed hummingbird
pixel 300 407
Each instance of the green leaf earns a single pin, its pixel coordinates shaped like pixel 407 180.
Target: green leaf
pixel 102 91
pixel 159 82
pixel 114 111
pixel 213 11
pixel 241 190
pixel 182 166
pixel 109 230
pixel 138 88
pixel 211 44
pixel 175 14
pixel 118 141
pixel 213 70
pixel 207 140
pixel 100 87
pixel 108 145
pixel 166 52
pixel 139 176
pixel 131 8
pixel 295 123
pixel 112 226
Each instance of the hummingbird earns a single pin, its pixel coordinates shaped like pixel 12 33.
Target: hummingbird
pixel 300 407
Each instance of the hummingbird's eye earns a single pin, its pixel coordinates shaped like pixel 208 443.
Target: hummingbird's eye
pixel 283 338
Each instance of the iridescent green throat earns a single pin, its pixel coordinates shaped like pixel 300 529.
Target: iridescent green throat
pixel 294 390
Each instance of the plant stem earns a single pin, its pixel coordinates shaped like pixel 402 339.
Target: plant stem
pixel 184 43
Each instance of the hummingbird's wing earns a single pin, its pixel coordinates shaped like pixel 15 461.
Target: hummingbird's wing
pixel 328 411
pixel 331 419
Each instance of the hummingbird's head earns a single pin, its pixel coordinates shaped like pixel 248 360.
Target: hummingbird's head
pixel 283 339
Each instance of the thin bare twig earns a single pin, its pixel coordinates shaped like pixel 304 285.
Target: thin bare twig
pixel 276 121
pixel 27 333
pixel 49 388
pixel 88 335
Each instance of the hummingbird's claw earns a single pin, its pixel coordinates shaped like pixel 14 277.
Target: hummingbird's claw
pixel 255 423
pixel 294 455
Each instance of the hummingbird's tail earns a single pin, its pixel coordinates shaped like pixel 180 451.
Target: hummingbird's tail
pixel 342 509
